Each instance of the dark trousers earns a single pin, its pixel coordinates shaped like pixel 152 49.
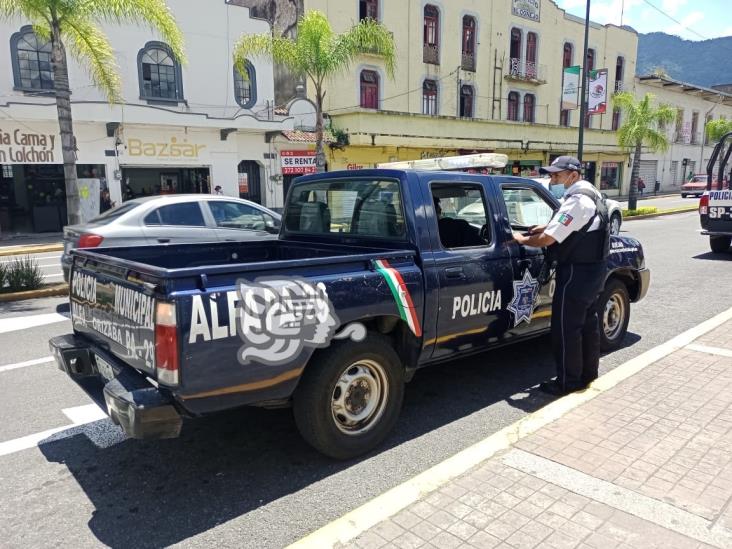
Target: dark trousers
pixel 575 322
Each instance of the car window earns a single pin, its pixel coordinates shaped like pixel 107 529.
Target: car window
pixel 114 213
pixel 461 215
pixel 526 207
pixel 234 215
pixel 187 214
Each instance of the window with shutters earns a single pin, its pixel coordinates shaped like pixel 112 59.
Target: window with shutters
pixel 529 107
pixel 429 97
pixel 468 57
pixel 369 89
pixel 466 101
pixel 431 50
pixel 368 9
pixel 513 106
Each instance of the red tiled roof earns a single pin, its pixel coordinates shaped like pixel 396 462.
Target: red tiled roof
pixel 299 136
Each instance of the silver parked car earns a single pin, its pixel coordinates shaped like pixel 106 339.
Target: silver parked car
pixel 172 219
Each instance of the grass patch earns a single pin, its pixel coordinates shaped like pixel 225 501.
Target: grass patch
pixel 20 275
pixel 639 211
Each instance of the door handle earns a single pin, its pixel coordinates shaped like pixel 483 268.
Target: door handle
pixel 454 272
pixel 163 240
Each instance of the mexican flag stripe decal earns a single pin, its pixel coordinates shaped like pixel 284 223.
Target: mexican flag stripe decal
pixel 401 295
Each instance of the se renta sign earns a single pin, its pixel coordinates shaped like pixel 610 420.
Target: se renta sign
pixel 298 162
pixel 528 9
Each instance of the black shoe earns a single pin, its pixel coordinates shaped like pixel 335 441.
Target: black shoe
pixel 555 388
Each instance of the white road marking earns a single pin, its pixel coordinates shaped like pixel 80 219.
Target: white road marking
pixel 15 323
pixel 40 260
pixel 44 360
pixel 80 415
pixel 380 508
pixel 710 350
pixel 54 275
pixel 647 508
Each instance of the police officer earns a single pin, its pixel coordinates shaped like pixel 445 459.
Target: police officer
pixel 578 240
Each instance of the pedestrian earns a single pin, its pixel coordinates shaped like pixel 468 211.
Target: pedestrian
pixel 217 190
pixel 641 185
pixel 578 238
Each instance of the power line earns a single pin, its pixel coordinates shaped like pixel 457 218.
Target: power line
pixel 679 23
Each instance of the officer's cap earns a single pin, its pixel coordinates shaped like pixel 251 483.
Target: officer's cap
pixel 561 164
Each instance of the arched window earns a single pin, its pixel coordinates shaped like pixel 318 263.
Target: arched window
pixel 160 74
pixel 429 97
pixel 431 46
pixel 245 90
pixel 529 107
pixel 369 89
pixel 513 106
pixel 515 43
pixel 31 58
pixel 468 62
pixel 466 101
pixel 619 70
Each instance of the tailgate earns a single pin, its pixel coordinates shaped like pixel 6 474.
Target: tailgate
pixel 720 211
pixel 114 312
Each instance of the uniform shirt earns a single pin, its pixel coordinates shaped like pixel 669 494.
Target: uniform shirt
pixel 574 213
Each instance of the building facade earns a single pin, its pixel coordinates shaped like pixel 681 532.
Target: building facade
pixel 180 128
pixel 690 149
pixel 477 76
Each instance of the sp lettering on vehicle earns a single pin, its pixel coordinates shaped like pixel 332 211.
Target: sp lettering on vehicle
pixel 276 319
pixel 476 304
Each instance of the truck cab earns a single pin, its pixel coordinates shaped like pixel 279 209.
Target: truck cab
pixel 715 205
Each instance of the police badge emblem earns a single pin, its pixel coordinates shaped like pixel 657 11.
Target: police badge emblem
pixel 525 292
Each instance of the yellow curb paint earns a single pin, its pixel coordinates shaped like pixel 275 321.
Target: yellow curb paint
pixel 59 289
pixel 389 503
pixel 30 250
pixel 660 214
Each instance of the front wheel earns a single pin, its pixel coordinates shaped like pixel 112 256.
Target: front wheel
pixel 350 396
pixel 614 310
pixel 683 195
pixel 719 244
pixel 615 224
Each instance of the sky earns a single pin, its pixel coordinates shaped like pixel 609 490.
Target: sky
pixel 697 19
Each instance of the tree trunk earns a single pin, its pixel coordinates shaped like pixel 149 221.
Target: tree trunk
pixel 65 124
pixel 319 153
pixel 633 191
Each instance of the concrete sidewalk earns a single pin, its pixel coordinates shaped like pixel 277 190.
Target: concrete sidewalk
pixel 646 463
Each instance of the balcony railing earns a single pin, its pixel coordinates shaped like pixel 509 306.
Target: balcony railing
pixel 619 86
pixel 527 71
pixel 431 54
pixel 468 63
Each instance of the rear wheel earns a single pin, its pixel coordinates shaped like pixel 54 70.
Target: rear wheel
pixel 719 244
pixel 683 195
pixel 614 309
pixel 350 396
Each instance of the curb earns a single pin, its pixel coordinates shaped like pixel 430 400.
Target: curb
pixel 55 290
pixel 25 250
pixel 381 507
pixel 660 214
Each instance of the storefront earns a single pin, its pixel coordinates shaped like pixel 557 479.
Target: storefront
pixel 611 177
pixel 138 182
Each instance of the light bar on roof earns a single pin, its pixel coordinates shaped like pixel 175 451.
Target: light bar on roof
pixel 463 162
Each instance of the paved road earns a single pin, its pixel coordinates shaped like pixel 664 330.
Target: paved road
pixel 246 479
pixel 50 264
pixel 665 202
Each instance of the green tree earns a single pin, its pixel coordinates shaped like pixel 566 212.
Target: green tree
pixel 717 128
pixel 319 54
pixel 74 26
pixel 641 127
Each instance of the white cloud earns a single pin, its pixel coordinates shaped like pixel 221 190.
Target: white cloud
pixel 611 11
pixel 687 23
pixel 672 6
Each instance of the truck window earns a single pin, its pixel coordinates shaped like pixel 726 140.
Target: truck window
pixel 461 215
pixel 360 207
pixel 526 207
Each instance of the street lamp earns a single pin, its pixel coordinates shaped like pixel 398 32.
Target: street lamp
pixel 583 92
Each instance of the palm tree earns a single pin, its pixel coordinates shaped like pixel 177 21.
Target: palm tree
pixel 75 25
pixel 318 54
pixel 641 127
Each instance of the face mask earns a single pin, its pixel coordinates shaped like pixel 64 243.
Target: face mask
pixel 557 190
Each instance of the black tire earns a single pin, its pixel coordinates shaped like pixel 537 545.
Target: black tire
pixel 316 416
pixel 683 195
pixel 615 227
pixel 719 244
pixel 614 311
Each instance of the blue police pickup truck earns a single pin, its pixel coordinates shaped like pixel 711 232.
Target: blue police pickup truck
pixel 375 274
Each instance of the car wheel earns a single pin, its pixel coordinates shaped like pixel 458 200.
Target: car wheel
pixel 615 224
pixel 683 195
pixel 719 244
pixel 349 398
pixel 614 311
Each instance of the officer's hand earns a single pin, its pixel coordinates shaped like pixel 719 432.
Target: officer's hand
pixel 519 238
pixel 536 229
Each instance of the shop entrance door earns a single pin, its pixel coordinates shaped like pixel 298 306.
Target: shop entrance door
pixel 250 184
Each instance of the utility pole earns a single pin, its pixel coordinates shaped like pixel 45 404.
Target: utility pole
pixel 583 93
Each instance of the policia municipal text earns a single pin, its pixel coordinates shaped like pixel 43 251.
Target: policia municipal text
pixel 577 238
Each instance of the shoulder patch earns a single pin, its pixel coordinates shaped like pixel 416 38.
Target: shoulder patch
pixel 565 219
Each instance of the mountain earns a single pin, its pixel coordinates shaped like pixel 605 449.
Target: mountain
pixel 704 63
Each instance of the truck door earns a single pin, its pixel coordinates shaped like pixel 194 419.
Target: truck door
pixel 473 269
pixel 529 303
